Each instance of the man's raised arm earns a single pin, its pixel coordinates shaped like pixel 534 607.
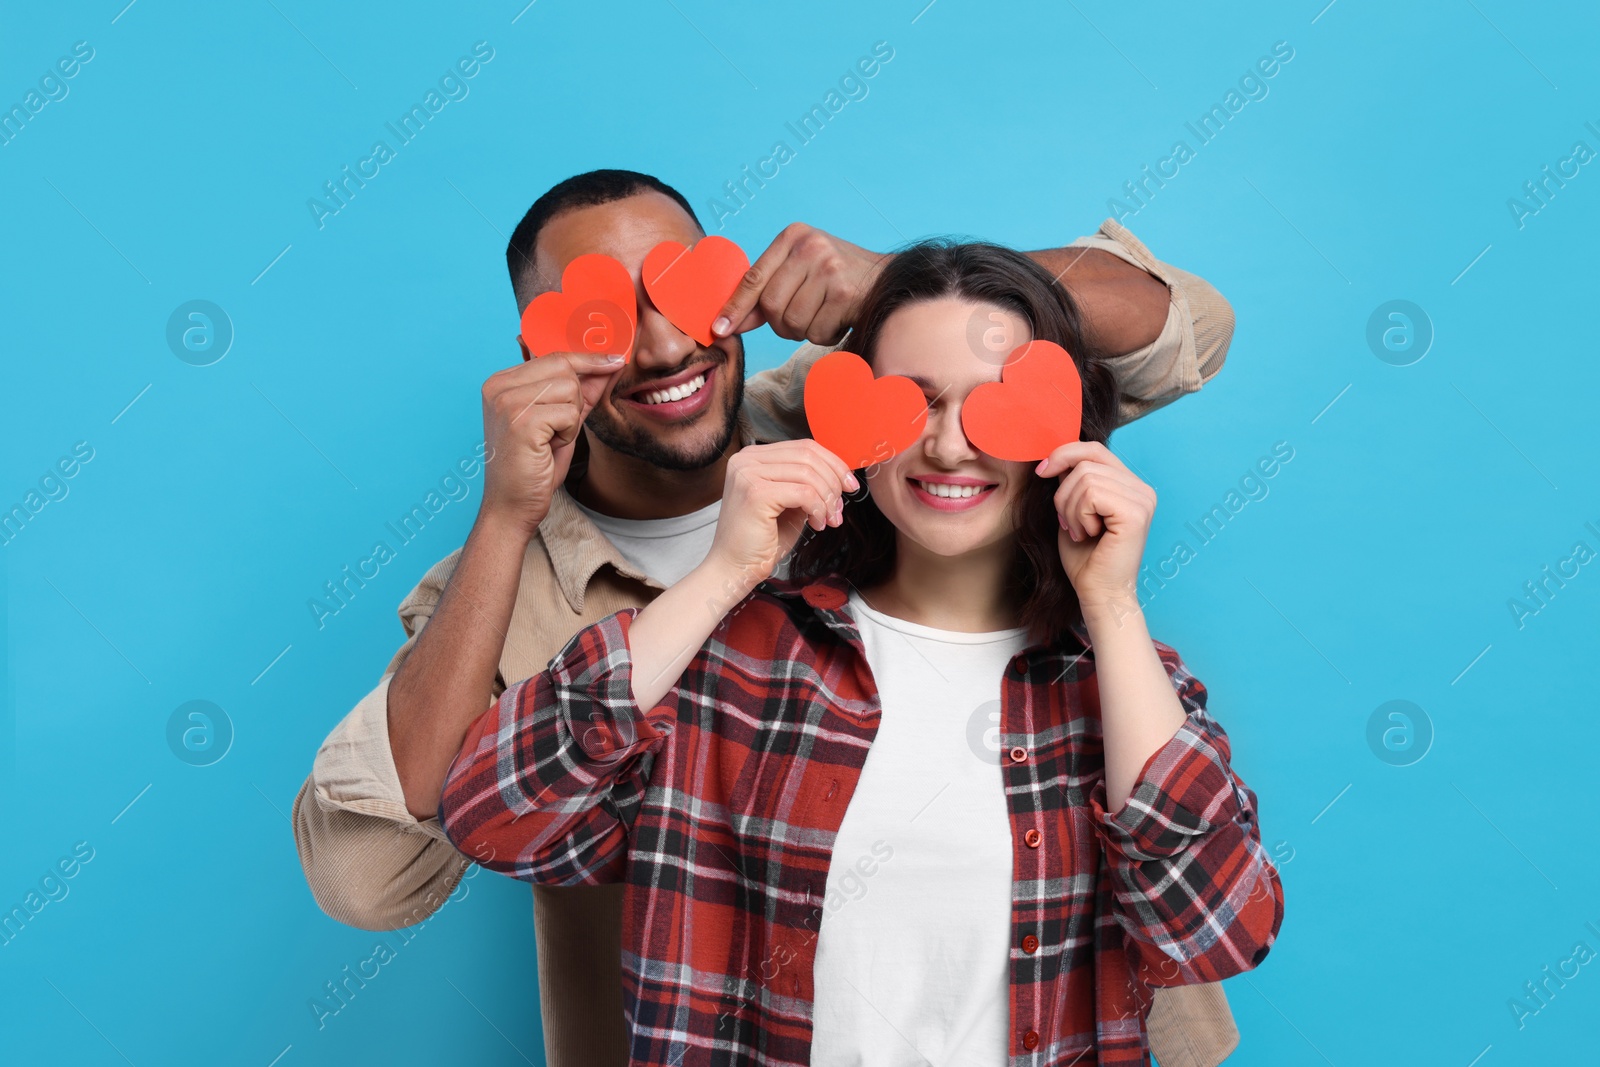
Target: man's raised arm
pixel 366 820
pixel 1168 330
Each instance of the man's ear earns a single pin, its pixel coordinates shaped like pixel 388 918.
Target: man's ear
pixel 526 355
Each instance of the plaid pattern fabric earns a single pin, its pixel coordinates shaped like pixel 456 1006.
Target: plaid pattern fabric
pixel 718 808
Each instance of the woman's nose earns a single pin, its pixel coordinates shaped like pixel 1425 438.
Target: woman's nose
pixel 947 441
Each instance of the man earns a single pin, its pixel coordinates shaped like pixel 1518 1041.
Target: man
pixel 602 488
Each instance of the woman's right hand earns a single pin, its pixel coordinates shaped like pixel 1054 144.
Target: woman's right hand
pixel 771 492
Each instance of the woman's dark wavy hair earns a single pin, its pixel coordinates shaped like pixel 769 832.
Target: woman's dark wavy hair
pixel 862 548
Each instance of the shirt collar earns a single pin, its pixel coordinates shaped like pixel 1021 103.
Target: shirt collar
pixel 577 547
pixel 828 597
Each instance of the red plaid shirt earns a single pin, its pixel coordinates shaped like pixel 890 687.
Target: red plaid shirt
pixel 719 807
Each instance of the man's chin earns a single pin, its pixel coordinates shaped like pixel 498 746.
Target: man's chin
pixel 691 446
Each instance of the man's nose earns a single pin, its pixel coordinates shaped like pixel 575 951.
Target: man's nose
pixel 659 344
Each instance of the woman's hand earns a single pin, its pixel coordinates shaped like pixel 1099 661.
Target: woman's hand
pixel 1105 513
pixel 771 492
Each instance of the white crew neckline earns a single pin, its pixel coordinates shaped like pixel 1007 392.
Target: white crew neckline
pixel 671 526
pixel 932 633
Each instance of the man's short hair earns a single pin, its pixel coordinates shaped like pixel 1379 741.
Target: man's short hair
pixel 580 190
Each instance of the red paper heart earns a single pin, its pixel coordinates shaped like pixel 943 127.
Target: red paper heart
pixel 594 310
pixel 690 285
pixel 861 419
pixel 1035 407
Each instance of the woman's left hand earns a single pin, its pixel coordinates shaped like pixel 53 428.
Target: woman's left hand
pixel 1105 513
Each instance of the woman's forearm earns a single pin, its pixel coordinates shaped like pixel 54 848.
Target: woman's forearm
pixel 668 631
pixel 1139 710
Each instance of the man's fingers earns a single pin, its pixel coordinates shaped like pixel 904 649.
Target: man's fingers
pixel 518 402
pixel 592 362
pixel 745 297
pixel 739 305
pixel 808 304
pixel 755 319
pixel 779 294
pixel 827 325
pixel 563 421
pixel 556 366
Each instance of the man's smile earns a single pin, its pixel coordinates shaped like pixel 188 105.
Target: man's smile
pixel 670 399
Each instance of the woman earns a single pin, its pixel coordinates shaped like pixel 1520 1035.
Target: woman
pixel 826 860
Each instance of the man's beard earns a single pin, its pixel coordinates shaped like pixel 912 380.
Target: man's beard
pixel 711 433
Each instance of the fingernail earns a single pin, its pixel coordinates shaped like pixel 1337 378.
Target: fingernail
pixel 1062 520
pixel 1039 468
pixel 854 483
pixel 720 325
pixel 613 358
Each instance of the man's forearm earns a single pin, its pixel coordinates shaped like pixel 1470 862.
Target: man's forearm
pixel 447 681
pixel 1126 307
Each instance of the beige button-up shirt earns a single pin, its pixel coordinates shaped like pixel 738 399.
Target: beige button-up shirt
pixel 371 864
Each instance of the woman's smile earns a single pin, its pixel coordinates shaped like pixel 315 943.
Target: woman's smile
pixel 946 492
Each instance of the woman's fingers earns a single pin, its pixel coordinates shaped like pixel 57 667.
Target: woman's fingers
pixel 1096 503
pixel 1074 452
pixel 799 496
pixel 840 477
pixel 1089 490
pixel 798 475
pixel 822 487
pixel 824 459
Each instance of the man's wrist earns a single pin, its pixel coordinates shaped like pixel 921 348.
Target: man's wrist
pixel 501 527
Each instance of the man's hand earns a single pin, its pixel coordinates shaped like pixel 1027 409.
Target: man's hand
pixel 532 416
pixel 807 286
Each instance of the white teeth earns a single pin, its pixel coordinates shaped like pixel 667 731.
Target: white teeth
pixel 677 392
pixel 945 489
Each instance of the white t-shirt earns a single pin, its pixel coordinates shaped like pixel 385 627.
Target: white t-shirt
pixel 913 948
pixel 665 549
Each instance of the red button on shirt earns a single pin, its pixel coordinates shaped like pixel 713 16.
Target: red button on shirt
pixel 1030 1040
pixel 1030 944
pixel 825 597
pixel 1033 837
pixel 1019 754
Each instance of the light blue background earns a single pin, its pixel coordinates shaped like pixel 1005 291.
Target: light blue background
pixel 1420 899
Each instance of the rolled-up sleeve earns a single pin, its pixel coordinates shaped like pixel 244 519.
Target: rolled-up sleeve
pixel 1193 342
pixel 1194 888
pixel 550 778
pixel 369 862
